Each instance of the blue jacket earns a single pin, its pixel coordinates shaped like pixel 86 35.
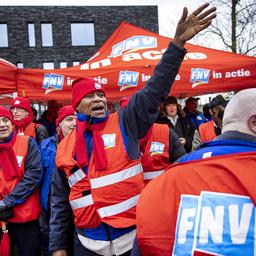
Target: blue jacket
pixel 134 120
pixel 48 152
pixel 230 142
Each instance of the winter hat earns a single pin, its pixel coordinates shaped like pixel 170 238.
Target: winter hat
pixel 4 112
pixel 64 112
pixel 82 87
pixel 170 100
pixel 20 102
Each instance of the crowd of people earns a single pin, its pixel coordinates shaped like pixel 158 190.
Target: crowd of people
pixel 147 179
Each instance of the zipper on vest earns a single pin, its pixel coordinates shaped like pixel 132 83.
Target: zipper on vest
pixel 107 231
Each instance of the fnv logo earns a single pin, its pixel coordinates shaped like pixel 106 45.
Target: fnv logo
pixel 109 140
pixel 156 148
pixel 216 224
pixel 133 43
pixel 128 79
pixel 199 76
pixel 52 82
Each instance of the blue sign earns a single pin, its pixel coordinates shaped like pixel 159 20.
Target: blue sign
pixel 53 81
pixel 128 79
pixel 215 223
pixel 199 76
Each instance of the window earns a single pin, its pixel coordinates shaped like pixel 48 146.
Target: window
pixel 20 65
pixel 31 35
pixel 63 64
pixel 48 65
pixel 4 35
pixel 76 63
pixel 82 34
pixel 46 34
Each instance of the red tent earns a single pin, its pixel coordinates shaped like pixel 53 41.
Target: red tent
pixel 126 61
pixel 7 77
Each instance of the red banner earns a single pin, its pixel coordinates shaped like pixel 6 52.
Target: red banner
pixel 126 61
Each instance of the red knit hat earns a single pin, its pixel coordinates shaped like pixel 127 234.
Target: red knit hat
pixel 64 112
pixel 20 102
pixel 6 113
pixel 83 86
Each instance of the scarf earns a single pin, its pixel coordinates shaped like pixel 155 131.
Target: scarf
pixel 23 123
pixel 94 125
pixel 8 161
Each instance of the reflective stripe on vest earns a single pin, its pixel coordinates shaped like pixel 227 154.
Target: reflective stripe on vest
pixel 118 208
pixel 116 177
pixel 81 202
pixel 76 177
pixel 152 175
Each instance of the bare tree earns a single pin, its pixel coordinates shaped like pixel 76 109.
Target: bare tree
pixel 234 27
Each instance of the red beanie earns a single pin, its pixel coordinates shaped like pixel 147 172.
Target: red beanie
pixel 64 112
pixel 83 86
pixel 4 112
pixel 20 102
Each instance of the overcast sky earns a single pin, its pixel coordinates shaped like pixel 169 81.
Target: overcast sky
pixel 169 11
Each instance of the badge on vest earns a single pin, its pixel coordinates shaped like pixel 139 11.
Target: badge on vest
pixel 109 140
pixel 19 160
pixel 215 223
pixel 156 148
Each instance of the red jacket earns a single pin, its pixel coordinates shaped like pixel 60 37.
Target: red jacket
pixel 201 207
pixel 103 196
pixel 30 209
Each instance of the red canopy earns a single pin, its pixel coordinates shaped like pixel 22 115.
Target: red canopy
pixel 7 77
pixel 126 61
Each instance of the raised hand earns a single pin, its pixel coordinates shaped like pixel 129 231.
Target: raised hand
pixel 189 26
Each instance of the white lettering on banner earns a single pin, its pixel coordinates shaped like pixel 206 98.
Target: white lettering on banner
pixel 133 56
pixel 238 73
pixel 134 42
pixel 99 79
pixel 195 56
pixel 215 223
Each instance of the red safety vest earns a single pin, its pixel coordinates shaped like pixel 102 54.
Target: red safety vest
pixel 103 196
pixel 30 209
pixel 30 130
pixel 207 131
pixel 159 208
pixel 156 155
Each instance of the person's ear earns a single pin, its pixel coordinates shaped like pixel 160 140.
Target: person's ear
pixel 252 123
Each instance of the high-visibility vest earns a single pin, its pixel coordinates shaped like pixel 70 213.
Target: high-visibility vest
pixel 207 131
pixel 30 130
pixel 30 209
pixel 178 211
pixel 156 155
pixel 108 196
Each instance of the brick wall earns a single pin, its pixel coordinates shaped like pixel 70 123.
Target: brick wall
pixel 105 18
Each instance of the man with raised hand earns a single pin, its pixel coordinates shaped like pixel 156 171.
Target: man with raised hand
pixel 100 174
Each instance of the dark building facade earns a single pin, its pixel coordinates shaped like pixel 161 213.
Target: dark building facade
pixel 60 36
